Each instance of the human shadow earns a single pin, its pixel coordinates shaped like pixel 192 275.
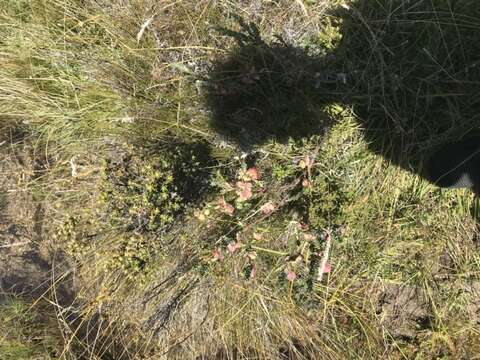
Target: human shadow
pixel 265 91
pixel 410 70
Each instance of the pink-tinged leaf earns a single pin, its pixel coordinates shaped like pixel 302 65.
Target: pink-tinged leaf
pixel 306 163
pixel 306 183
pixel 254 271
pixel 244 190
pixel 217 255
pixel 326 236
pixel 267 208
pixel 327 268
pixel 302 226
pixel 291 276
pixel 229 209
pixel 257 236
pixel 309 237
pixel 233 246
pixel 309 162
pixel 253 173
pixel 226 207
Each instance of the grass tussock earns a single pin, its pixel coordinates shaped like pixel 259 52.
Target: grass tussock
pixel 28 331
pixel 244 180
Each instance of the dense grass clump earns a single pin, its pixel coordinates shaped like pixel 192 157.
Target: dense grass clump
pixel 28 331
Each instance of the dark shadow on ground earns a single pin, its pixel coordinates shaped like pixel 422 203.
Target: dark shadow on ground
pixel 409 69
pixel 266 91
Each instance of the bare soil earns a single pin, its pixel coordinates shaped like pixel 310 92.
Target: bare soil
pixel 25 256
pixel 404 311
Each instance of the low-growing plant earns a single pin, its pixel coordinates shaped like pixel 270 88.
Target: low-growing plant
pixel 283 247
pixel 28 331
pixel 147 188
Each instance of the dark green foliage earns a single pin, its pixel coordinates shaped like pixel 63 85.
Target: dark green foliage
pixel 131 256
pixel 327 203
pixel 145 191
pixel 149 187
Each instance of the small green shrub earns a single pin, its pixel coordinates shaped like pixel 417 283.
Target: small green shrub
pixel 327 40
pixel 327 203
pixel 131 256
pixel 144 192
pixel 148 188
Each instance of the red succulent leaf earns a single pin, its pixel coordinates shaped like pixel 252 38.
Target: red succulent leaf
pixel 226 207
pixel 244 190
pixel 217 255
pixel 267 208
pixel 233 246
pixel 291 276
pixel 253 272
pixel 253 173
pixel 306 183
pixel 327 268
